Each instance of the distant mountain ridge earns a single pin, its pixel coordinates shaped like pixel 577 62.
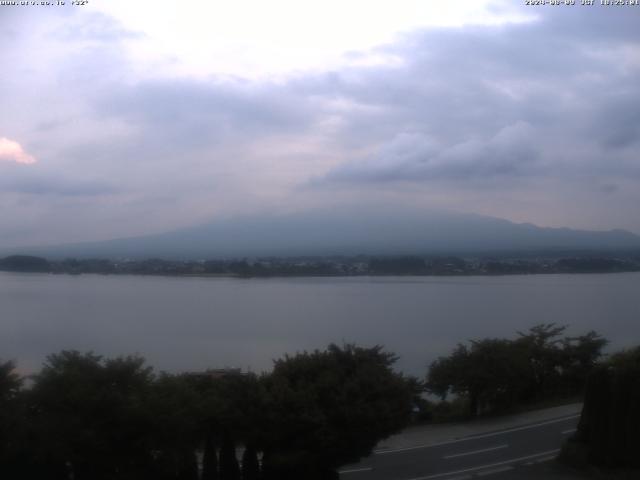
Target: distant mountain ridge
pixel 324 233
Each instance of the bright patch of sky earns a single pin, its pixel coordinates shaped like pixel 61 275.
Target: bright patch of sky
pixel 253 39
pixel 12 151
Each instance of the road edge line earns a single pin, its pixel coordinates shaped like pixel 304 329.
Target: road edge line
pixel 473 469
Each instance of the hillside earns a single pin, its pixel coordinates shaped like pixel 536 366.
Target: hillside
pixel 348 233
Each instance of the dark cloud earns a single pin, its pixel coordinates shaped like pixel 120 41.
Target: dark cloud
pixel 32 181
pixel 569 77
pixel 412 157
pixel 185 114
pixel 618 120
pixel 63 187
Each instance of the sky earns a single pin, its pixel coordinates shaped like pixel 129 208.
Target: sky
pixel 123 118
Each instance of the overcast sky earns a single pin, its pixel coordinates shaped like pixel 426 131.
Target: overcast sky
pixel 122 118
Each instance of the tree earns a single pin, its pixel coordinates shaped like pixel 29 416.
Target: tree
pixel 496 374
pixel 231 410
pixel 24 263
pixel 580 357
pixel 608 433
pixel 489 373
pixel 229 468
pixel 10 382
pixel 542 346
pixel 176 433
pixel 397 266
pixel 209 460
pixel 250 465
pixel 91 414
pixel 11 419
pixel 328 408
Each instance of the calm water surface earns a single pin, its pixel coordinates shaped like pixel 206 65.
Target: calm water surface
pixel 195 323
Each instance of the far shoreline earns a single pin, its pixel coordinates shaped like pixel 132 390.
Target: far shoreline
pixel 505 264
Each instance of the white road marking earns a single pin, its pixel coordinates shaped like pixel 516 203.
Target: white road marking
pixel 482 467
pixel 546 459
pixel 485 435
pixel 356 470
pixel 475 451
pixel 567 432
pixel 495 470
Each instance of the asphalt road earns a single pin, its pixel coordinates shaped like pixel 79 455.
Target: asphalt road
pixel 469 457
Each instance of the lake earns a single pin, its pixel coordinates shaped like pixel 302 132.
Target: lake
pixel 181 324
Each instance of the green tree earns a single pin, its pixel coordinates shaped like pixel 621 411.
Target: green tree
pixel 90 414
pixel 209 459
pixel 545 357
pixel 580 357
pixel 10 382
pixel 328 408
pixel 175 405
pixel 11 419
pixel 608 433
pixel 229 468
pixel 250 464
pixel 231 410
pixel 489 374
pixel 496 374
pixel 24 263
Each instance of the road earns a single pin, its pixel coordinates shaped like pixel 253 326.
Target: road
pixel 469 457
